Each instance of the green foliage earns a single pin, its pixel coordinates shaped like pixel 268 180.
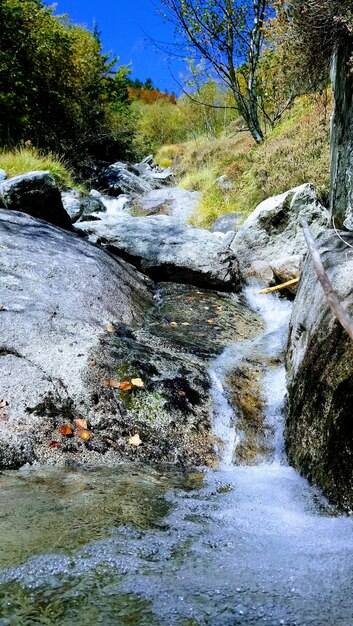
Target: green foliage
pixel 295 152
pixel 28 159
pixel 57 89
pixel 164 123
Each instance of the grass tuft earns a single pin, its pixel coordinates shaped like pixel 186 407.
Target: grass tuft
pixel 28 159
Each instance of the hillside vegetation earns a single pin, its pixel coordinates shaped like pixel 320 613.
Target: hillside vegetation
pixel 295 152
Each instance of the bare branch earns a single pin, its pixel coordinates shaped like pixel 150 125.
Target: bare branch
pixel 331 296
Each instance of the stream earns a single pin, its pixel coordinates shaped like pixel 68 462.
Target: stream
pixel 241 544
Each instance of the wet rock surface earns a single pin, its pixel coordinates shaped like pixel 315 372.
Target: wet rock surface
pixel 163 247
pixel 319 427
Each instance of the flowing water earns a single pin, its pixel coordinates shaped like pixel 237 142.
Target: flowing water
pixel 247 545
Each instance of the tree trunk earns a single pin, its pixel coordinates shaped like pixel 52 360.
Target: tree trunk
pixel 341 198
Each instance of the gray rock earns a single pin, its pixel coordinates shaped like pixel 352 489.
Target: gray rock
pixel 226 222
pixel 167 249
pixel 36 194
pixel 3 175
pixel 224 183
pixel 117 180
pixel 58 294
pixel 148 159
pixel 319 425
pixel 273 230
pixel 173 201
pixel 79 205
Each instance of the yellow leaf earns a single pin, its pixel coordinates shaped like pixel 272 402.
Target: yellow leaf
pixel 137 382
pixel 173 324
pixel 84 434
pixel 135 440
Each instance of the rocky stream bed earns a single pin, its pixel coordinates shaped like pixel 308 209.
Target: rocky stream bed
pixel 200 520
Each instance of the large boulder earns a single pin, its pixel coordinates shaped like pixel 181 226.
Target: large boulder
pixel 36 194
pixel 75 322
pixel 319 426
pixel 273 231
pixel 58 294
pixel 116 180
pixel 167 249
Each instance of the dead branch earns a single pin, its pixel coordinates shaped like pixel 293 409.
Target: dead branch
pixel 331 297
pixel 281 286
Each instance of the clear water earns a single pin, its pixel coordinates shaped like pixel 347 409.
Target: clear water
pixel 134 545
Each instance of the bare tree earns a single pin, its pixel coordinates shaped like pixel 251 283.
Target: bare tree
pixel 229 36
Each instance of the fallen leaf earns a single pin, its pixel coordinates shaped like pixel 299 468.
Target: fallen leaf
pixel 66 430
pixel 92 362
pixel 191 299
pixel 211 321
pixel 4 416
pixel 135 440
pixel 84 434
pixel 111 382
pixel 125 385
pixel 55 444
pixel 137 382
pixel 81 423
pixel 181 393
pixel 173 324
pixel 2 308
pixel 177 297
pixel 3 403
pixel 110 328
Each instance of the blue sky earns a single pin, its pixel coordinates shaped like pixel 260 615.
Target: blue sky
pixel 126 26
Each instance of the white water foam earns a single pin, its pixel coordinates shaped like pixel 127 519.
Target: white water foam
pixel 275 313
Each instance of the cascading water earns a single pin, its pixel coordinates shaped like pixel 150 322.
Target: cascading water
pixel 247 545
pixel 271 343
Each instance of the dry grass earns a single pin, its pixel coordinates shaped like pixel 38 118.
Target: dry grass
pixel 296 152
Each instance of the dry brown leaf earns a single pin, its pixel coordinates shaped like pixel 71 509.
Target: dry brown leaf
pixel 191 299
pixel 177 297
pixel 81 423
pixel 181 393
pixel 110 328
pixel 55 444
pixel 84 434
pixel 125 385
pixel 135 440
pixel 211 321
pixel 173 324
pixel 137 382
pixel 92 362
pixel 66 430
